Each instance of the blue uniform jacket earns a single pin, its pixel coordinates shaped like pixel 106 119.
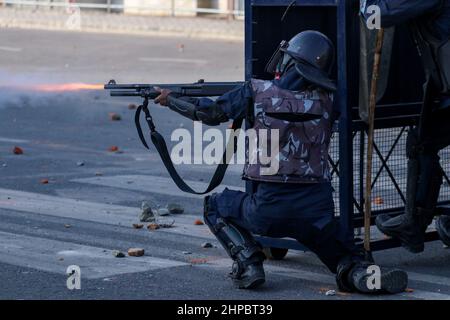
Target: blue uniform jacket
pixel 395 12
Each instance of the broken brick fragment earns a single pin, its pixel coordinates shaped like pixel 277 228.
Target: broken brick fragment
pixel 113 149
pixel 17 150
pixel 114 116
pixel 153 226
pixel 198 222
pixel 136 252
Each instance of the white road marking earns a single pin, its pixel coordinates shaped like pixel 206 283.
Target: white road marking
pixel 36 203
pixel 174 60
pixel 151 184
pixel 10 140
pixel 55 256
pixel 10 49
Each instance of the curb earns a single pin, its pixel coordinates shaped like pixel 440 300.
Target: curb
pixel 202 28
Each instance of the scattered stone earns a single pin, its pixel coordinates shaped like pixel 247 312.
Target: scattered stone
pixel 136 252
pixel 198 222
pixel 113 149
pixel 175 208
pixel 163 212
pixel 99 174
pixel 61 259
pixel 409 290
pixel 330 293
pixel 165 223
pixel 132 106
pixel 138 225
pixel 80 163
pixel 67 226
pixel 114 116
pixel 44 181
pixel 118 254
pixel 17 150
pixel 207 245
pixel 153 226
pixel 4 165
pixel 187 252
pixel 147 214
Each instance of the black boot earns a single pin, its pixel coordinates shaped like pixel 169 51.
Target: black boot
pixel 409 230
pixel 356 276
pixel 247 271
pixel 249 275
pixel 423 185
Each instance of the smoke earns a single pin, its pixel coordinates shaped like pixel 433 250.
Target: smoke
pixel 35 91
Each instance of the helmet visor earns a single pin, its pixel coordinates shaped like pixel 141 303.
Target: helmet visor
pixel 277 58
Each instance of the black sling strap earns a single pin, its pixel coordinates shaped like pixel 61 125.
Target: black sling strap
pixel 161 146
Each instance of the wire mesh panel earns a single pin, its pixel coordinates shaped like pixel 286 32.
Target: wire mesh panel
pixel 389 170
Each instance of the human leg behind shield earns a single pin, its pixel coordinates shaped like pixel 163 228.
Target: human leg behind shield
pixel 424 180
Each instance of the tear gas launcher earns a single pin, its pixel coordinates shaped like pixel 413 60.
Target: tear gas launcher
pixel 147 91
pixel 198 89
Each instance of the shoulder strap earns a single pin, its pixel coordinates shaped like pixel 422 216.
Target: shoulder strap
pixel 161 146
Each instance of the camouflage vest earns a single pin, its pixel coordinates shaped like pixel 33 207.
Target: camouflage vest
pixel 303 146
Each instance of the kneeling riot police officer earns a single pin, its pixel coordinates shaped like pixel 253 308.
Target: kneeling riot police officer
pixel 295 201
pixel 429 23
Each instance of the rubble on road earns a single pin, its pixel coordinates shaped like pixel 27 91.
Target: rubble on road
pixel 153 226
pixel 147 214
pixel 138 225
pixel 165 223
pixel 67 226
pixel 113 149
pixel 118 254
pixel 44 181
pixel 207 245
pixel 198 222
pixel 17 150
pixel 80 163
pixel 330 293
pixel 163 212
pixel 132 106
pixel 114 116
pixel 175 208
pixel 136 252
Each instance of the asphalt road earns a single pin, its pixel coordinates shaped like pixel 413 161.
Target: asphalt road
pixel 85 212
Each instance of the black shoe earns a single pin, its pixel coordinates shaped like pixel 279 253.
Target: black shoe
pixel 249 277
pixel 410 231
pixel 392 280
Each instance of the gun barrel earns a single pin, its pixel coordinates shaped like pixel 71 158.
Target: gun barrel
pixel 200 89
pixel 125 93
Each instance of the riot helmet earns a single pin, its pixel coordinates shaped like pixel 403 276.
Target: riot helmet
pixel 311 53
